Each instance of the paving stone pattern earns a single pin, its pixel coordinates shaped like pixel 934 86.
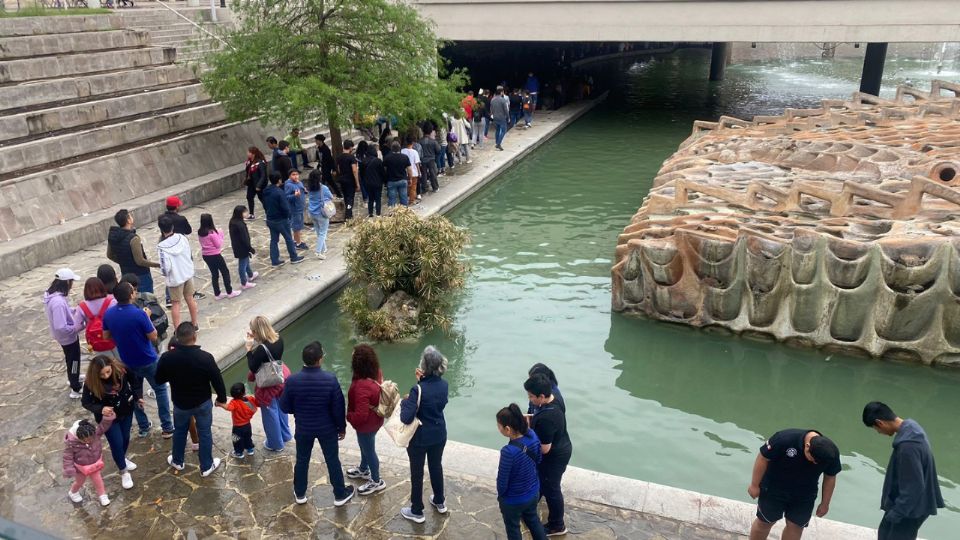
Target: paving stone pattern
pixel 243 499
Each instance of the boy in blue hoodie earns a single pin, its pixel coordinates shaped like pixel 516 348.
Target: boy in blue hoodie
pixel 296 195
pixel 911 492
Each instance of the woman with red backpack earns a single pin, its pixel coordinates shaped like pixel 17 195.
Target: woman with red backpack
pixel 90 311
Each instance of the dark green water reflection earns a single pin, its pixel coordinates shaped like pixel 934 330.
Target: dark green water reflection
pixel 647 400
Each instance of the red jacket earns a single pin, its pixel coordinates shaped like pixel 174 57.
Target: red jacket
pixel 362 398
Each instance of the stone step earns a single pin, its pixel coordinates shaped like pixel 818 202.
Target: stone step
pixel 51 122
pixel 29 96
pixel 19 159
pixel 168 32
pixel 30 69
pixel 33 26
pixel 53 44
pixel 53 213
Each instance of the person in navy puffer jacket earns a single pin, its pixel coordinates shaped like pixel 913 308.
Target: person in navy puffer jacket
pixel 431 437
pixel 315 400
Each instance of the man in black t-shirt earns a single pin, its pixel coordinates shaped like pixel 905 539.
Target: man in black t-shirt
pixel 399 175
pixel 550 425
pixel 785 478
pixel 348 177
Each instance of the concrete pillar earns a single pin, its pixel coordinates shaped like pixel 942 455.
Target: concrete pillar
pixel 873 68
pixel 718 60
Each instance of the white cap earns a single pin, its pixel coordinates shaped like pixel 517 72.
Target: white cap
pixel 66 274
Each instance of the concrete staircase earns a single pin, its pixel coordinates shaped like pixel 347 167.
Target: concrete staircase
pixel 94 117
pixel 167 29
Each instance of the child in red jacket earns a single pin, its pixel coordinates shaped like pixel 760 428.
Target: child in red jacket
pixel 242 407
pixel 83 456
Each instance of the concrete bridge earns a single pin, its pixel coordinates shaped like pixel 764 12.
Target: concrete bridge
pixel 695 20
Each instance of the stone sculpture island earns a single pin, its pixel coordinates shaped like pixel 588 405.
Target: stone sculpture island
pixel 833 227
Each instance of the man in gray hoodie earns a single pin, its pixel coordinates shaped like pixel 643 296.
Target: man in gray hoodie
pixel 911 492
pixel 500 111
pixel 176 265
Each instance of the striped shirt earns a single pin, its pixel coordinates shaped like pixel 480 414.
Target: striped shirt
pixel 517 480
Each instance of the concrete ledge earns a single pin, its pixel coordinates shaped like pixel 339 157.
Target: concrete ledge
pixel 33 94
pixel 33 26
pixel 50 44
pixel 52 149
pixel 43 123
pixel 12 71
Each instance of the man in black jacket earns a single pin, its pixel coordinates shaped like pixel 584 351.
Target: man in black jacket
pixel 281 162
pixel 277 210
pixel 191 372
pixel 125 248
pixel 911 492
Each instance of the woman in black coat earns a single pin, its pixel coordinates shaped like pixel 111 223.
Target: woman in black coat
pixel 110 386
pixel 256 177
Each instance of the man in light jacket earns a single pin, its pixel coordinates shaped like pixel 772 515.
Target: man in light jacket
pixel 176 265
pixel 911 492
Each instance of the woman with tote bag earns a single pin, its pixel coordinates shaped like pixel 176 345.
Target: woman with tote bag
pixel 267 371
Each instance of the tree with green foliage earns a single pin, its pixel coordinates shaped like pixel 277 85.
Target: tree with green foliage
pixel 306 62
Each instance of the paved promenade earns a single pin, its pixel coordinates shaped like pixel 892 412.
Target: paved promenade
pixel 253 498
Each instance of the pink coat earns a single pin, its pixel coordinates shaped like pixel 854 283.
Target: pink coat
pixel 212 243
pixel 77 452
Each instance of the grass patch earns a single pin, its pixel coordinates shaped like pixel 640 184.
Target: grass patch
pixel 37 11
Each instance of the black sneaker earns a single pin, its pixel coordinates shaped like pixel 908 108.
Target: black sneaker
pixel 251 217
pixel 557 532
pixel 169 304
pixel 302 245
pixel 199 296
pixel 346 498
pixel 280 263
pixel 298 260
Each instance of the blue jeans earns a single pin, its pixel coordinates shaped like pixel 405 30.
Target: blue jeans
pixel 442 157
pixel 275 425
pixel 146 282
pixel 368 454
pixel 514 117
pixel 243 266
pixel 149 372
pixel 331 455
pixel 486 126
pixel 181 419
pixel 119 438
pixel 513 513
pixel 397 189
pixel 320 226
pixel 527 117
pixel 501 131
pixel 278 228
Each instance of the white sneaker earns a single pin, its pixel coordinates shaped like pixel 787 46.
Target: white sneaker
pixel 300 500
pixel 104 500
pixel 208 472
pixel 131 466
pixel 83 377
pixel 75 395
pixel 126 480
pixel 172 464
pixel 75 496
pixel 442 508
pixel 372 487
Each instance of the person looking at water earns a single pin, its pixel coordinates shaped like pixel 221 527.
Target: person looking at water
pixel 315 400
pixel 518 487
pixel 264 345
pixel 911 492
pixel 550 425
pixel 362 400
pixel 540 369
pixel 785 477
pixel 426 402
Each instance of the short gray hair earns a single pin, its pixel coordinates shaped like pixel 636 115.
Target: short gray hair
pixel 432 362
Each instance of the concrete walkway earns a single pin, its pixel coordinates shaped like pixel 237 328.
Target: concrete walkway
pixel 252 498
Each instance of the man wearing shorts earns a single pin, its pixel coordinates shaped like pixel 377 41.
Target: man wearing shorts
pixel 785 478
pixel 176 265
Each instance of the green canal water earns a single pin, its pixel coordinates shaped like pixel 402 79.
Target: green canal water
pixel 647 400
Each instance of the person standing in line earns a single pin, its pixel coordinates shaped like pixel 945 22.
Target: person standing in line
pixel 399 175
pixel 256 178
pixel 180 226
pixel 479 117
pixel 264 344
pixel 176 265
pixel 426 402
pixel 415 171
pixel 326 164
pixel 785 477
pixel 467 104
pixel 277 210
pixel 297 200
pixel 362 400
pixel 360 152
pixel 516 107
pixel 83 457
pixel 318 195
pixel 500 112
pixel 131 329
pixel 191 373
pixel 108 275
pixel 431 149
pixel 484 99
pixel 911 490
pixel 90 313
pixel 541 369
pixel 241 408
pixel 314 398
pixel 461 126
pixel 125 248
pixel 550 425
pixel 527 104
pixel 273 146
pixel 349 177
pixel 374 178
pixel 296 149
pixel 242 247
pixel 282 164
pixel 111 388
pixel 532 86
pixel 441 138
pixel 518 487
pixel 65 326
pixel 211 249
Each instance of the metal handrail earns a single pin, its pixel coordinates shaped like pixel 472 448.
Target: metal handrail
pixel 202 29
